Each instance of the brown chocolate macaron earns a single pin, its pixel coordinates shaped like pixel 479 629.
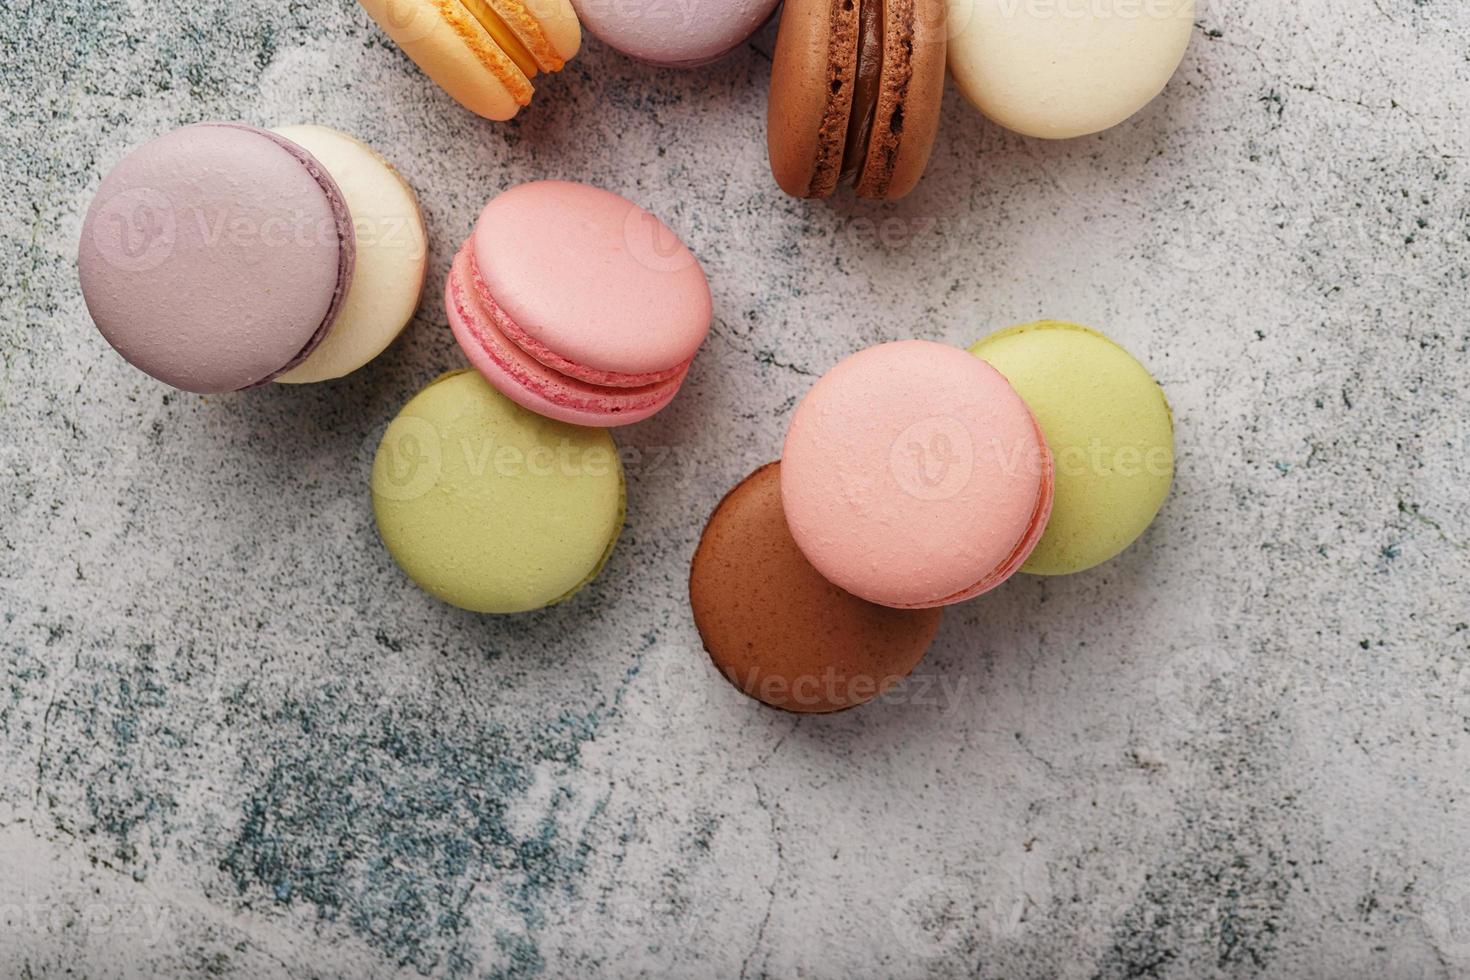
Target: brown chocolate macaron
pixel 855 95
pixel 776 628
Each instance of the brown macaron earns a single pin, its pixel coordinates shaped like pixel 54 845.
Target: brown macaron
pixel 856 88
pixel 776 628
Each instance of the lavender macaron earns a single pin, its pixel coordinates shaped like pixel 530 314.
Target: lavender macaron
pixel 216 258
pixel 674 35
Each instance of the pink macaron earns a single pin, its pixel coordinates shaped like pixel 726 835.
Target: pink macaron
pixel 217 257
pixel 915 477
pixel 674 35
pixel 577 304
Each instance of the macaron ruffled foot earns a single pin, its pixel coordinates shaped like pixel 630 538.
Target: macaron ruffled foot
pixel 484 53
pixel 856 87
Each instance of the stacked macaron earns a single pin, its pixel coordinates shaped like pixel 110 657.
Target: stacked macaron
pixel 917 476
pixel 220 257
pixel 578 304
pixel 579 311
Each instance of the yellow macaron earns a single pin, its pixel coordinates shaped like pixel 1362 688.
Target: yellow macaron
pixel 490 507
pixel 1110 432
pixel 484 53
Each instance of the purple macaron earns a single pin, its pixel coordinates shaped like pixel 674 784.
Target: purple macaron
pixel 681 34
pixel 217 257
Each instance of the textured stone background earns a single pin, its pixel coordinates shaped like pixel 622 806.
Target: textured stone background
pixel 237 742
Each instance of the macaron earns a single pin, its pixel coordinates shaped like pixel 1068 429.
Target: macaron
pixel 484 53
pixel 578 304
pixel 220 256
pixel 776 628
pixel 1059 70
pixel 855 95
pixel 915 476
pixel 674 35
pixel 392 254
pixel 1111 434
pixel 493 508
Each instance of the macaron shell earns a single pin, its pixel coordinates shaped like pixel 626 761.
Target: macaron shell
pixel 812 79
pixel 1044 70
pixel 911 479
pixel 449 44
pixel 527 381
pixel 675 35
pixel 542 35
pixel 392 255
pixel 776 628
pixel 1110 430
pixel 907 119
pixel 593 277
pixel 492 508
pixel 559 24
pixel 216 257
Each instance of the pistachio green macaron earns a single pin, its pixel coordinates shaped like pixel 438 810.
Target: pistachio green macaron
pixel 1110 431
pixel 490 507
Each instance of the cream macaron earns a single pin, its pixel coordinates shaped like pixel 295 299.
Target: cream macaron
pixel 1064 68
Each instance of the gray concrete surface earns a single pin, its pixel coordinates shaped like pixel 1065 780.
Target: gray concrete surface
pixel 237 742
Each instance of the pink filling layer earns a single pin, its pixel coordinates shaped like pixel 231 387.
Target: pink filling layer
pixel 485 331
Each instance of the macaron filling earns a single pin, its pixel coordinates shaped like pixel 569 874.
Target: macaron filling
pixel 484 328
pixel 518 33
pixel 531 345
pixel 346 243
pixel 867 85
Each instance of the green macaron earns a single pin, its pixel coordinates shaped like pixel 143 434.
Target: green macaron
pixel 1110 432
pixel 490 507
